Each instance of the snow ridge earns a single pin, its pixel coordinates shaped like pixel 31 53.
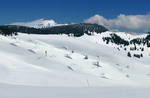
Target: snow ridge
pixel 40 23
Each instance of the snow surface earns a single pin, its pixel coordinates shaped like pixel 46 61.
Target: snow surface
pixel 25 68
pixel 9 91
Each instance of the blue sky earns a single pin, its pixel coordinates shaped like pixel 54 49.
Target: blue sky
pixel 64 11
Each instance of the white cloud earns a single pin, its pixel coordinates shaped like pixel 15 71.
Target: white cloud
pixel 114 30
pixel 132 22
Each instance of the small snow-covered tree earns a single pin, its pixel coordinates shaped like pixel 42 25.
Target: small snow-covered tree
pixel 98 64
pixel 86 57
pixel 72 51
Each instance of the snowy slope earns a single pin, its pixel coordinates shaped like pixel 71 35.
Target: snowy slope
pixel 9 91
pixel 41 23
pixel 24 68
pixel 28 65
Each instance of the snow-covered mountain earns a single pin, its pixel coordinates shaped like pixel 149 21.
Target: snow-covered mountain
pixel 41 23
pixel 50 61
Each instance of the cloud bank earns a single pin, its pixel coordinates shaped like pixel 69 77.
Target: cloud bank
pixel 131 22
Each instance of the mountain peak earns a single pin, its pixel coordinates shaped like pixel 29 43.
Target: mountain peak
pixel 40 23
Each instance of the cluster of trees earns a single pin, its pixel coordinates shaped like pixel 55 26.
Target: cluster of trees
pixel 136 41
pixel 135 55
pixel 114 38
pixel 144 41
pixel 76 30
pixel 7 31
pixel 138 55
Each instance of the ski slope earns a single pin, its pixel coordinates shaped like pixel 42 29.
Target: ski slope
pixel 24 65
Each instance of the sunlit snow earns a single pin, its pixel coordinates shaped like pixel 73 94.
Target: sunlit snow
pixel 40 62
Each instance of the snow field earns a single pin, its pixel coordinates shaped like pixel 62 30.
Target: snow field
pixel 8 91
pixel 28 64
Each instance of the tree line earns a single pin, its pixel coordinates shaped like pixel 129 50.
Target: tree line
pixel 76 30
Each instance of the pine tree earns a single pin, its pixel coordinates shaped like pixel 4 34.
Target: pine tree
pixel 141 55
pixel 86 57
pixel 128 54
pixel 72 51
pixel 142 49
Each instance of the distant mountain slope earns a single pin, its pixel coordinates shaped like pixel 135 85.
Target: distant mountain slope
pixel 77 29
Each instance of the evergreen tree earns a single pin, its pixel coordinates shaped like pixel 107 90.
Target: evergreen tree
pixel 125 49
pixel 141 55
pixel 86 57
pixel 72 51
pixel 137 55
pixel 128 54
pixel 142 49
